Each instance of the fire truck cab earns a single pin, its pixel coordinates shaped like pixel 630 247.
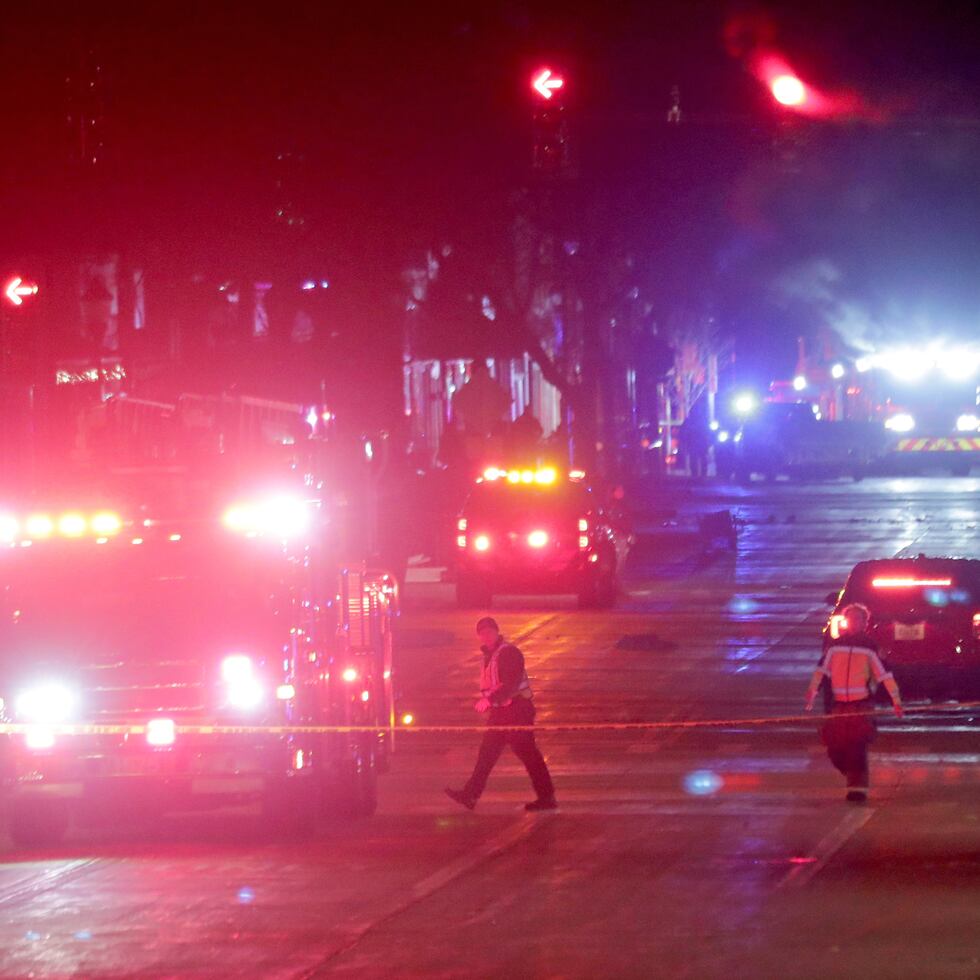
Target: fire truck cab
pixel 190 633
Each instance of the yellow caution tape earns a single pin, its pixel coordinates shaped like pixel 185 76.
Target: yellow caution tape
pixel 623 726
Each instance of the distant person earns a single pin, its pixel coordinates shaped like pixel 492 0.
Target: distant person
pixel 851 667
pixel 481 403
pixel 505 697
pixel 696 439
pixel 525 436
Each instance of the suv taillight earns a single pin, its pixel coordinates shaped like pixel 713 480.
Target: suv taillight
pixel 976 626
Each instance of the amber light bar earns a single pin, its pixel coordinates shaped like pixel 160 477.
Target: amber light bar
pixel 910 583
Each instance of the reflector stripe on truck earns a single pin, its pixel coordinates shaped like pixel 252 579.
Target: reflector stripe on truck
pixel 939 444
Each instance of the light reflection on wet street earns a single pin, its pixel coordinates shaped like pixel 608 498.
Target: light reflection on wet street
pixel 678 852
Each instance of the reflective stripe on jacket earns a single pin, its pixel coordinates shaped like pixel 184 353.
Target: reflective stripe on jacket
pixel 490 681
pixel 851 670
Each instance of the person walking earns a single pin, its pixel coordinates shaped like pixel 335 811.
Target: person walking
pixel 852 668
pixel 506 699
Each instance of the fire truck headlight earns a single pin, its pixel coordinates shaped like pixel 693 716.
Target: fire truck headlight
pixel 481 542
pixel 243 689
pixel 967 423
pixel 47 704
pixel 902 422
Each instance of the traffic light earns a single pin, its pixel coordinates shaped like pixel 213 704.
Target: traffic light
pixel 547 84
pixel 16 290
pixel 789 91
pixel 550 153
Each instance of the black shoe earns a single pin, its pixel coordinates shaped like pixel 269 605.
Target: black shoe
pixel 461 798
pixel 857 796
pixel 539 804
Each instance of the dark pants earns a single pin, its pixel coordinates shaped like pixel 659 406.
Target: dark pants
pixel 521 712
pixel 847 734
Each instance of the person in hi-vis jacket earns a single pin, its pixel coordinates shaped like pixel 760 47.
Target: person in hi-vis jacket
pixel 506 699
pixel 852 668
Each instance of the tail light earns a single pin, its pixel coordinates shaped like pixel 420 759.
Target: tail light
pixel 583 533
pixel 976 626
pixel 838 624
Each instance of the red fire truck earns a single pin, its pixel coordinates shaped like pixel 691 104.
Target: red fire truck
pixel 185 602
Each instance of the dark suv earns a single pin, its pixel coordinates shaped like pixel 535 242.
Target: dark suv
pixel 925 616
pixel 537 531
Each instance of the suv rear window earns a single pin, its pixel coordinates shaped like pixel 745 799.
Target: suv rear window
pixel 897 590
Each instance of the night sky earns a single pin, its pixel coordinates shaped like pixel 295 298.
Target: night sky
pixel 402 127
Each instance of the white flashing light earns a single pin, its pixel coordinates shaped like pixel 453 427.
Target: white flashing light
pixel 49 704
pixel 280 517
pixel 745 403
pixel 967 423
pixel 39 738
pixel 161 732
pixel 349 674
pixel 285 692
pixel 481 542
pixel 864 364
pixel 538 539
pixel 837 371
pixel 243 688
pixel 9 527
pixel 723 436
pixel 799 383
pixel 902 422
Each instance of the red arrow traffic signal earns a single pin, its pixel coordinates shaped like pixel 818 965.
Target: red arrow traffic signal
pixel 546 83
pixel 16 290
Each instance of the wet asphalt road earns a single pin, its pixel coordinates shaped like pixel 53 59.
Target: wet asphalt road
pixel 677 852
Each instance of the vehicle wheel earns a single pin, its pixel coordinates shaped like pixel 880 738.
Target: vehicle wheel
pixel 472 595
pixel 39 823
pixel 355 792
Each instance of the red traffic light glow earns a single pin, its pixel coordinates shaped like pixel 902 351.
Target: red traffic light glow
pixel 16 289
pixel 788 90
pixel 546 83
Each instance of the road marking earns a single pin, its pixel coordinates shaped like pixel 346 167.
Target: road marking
pixel 803 873
pixel 357 929
pixel 34 884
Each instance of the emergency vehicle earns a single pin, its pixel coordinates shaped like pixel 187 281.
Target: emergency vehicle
pixel 925 617
pixel 189 606
pixel 537 531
